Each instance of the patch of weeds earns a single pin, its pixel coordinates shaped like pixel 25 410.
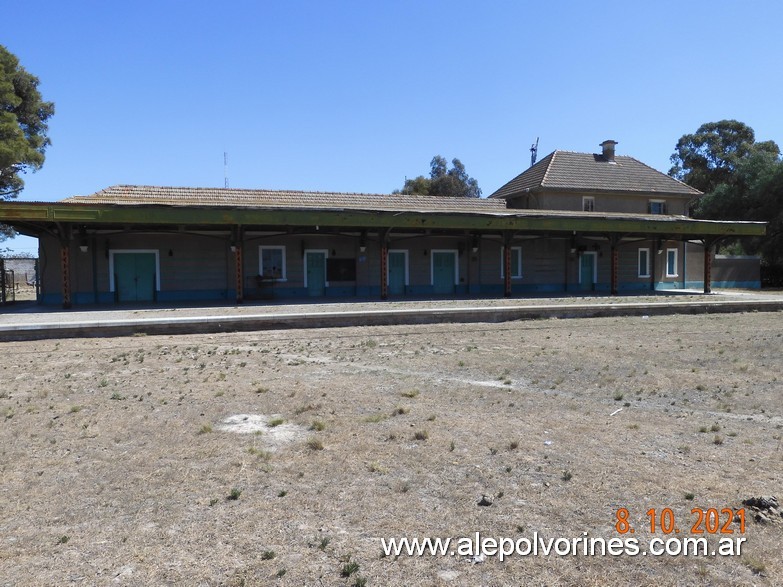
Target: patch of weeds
pixel 117 396
pixel 633 426
pixel 421 435
pixel 261 390
pixel 718 440
pixel 507 382
pixel 264 455
pixel 317 426
pixel 213 501
pixel 234 494
pixel 282 493
pixel 689 496
pixel 75 409
pixel 306 408
pixel 431 418
pixel 315 444
pixel 400 411
pixel 375 418
pixel 268 555
pixel 618 397
pixel 275 422
pixel 703 429
pixel 461 364
pixel 349 568
pixel 756 566
pixel 410 394
pixel 63 540
pixel 219 393
pixel 715 428
pixel 452 446
pixel 205 429
pixel 324 543
pixel 281 573
pixel 376 468
pixel 103 383
pixel 567 475
pixel 513 445
pixel 360 582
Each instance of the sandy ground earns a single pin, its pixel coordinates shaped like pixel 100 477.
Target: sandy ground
pixel 120 457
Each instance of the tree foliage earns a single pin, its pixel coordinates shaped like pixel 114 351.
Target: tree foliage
pixel 742 180
pixel 23 128
pixel 709 157
pixel 445 182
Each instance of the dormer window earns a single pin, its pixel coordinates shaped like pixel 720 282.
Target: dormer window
pixel 657 207
pixel 588 204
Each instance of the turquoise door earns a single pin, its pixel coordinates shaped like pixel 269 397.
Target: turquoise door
pixel 443 272
pixel 134 277
pixel 316 273
pixel 396 273
pixel 587 267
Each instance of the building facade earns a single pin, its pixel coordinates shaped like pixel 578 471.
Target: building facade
pixel 574 222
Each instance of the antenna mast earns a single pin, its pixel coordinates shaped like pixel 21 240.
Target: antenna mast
pixel 225 169
pixel 533 153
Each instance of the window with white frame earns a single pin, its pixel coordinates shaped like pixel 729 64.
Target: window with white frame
pixel 644 263
pixel 272 263
pixel 516 262
pixel 588 204
pixel 657 207
pixel 671 262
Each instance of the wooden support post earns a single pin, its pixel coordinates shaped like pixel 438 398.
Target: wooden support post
pixel 384 270
pixel 239 273
pixel 615 258
pixel 707 266
pixel 65 271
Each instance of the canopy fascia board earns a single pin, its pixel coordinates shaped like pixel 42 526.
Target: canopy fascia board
pixel 32 214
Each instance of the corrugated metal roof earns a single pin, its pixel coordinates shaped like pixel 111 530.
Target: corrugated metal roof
pixel 566 170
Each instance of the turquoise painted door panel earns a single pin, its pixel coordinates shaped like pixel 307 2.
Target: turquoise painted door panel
pixel 588 277
pixel 443 273
pixel 396 274
pixel 316 274
pixel 134 277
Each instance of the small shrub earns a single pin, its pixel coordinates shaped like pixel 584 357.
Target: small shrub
pixel 75 409
pixel 268 555
pixel 234 494
pixel 275 422
pixel 63 540
pixel 317 426
pixel 410 394
pixel 205 429
pixel 421 435
pixel 281 573
pixel 324 543
pixel 567 475
pixel 513 445
pixel 689 496
pixel 618 397
pixel 315 444
pixel 349 568
pixel 718 440
pixel 282 493
pixel 400 410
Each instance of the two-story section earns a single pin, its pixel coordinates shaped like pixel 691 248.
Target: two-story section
pixel 610 186
pixel 590 182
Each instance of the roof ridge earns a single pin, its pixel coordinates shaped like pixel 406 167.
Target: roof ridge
pixel 548 166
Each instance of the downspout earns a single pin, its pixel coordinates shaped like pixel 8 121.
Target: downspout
pixel 684 264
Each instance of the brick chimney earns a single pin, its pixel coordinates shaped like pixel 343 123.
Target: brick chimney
pixel 608 150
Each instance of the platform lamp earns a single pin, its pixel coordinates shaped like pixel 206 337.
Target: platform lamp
pixel 83 240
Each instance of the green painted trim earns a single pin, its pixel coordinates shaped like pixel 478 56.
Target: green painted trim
pixel 106 214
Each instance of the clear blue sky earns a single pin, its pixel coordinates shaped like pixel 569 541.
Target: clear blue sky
pixel 354 96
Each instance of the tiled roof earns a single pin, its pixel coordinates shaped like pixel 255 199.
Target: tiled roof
pixel 565 170
pixel 137 195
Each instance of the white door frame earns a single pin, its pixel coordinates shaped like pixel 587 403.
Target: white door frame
pixel 326 256
pixel 112 252
pixel 456 264
pixel 407 272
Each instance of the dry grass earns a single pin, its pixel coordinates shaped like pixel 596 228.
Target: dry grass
pixel 143 485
